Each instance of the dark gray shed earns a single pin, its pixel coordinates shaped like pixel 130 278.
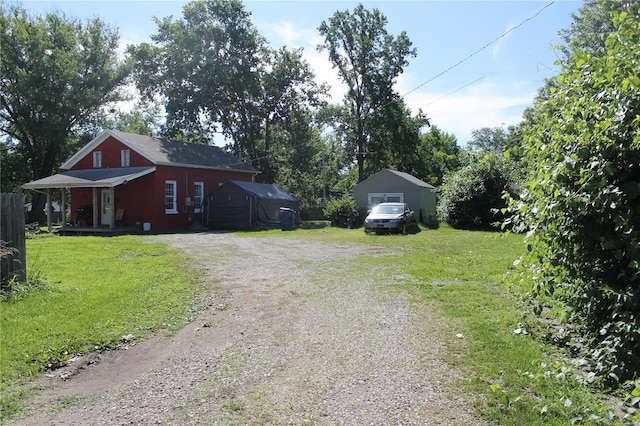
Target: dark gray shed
pixel 246 205
pixel 390 185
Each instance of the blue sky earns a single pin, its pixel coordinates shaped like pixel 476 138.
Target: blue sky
pixel 490 89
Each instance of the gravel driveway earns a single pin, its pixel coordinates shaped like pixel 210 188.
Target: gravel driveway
pixel 296 332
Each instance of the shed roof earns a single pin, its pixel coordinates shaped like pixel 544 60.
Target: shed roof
pixel 264 190
pixel 405 176
pixel 168 152
pixel 414 180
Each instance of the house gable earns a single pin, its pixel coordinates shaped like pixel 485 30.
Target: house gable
pixel 147 150
pixel 108 143
pixel 110 150
pixel 393 177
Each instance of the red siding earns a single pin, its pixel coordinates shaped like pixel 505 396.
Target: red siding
pixel 110 150
pixel 185 179
pixel 143 199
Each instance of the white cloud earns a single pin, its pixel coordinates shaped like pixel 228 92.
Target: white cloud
pixel 287 34
pixel 497 48
pixel 325 73
pixel 485 104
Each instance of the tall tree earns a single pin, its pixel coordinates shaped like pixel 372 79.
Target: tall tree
pixel 394 139
pixel 204 67
pixel 215 73
pixel 142 119
pixel 590 24
pixel 289 95
pixel 55 74
pixel 368 60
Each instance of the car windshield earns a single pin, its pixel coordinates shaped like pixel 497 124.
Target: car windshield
pixel 387 209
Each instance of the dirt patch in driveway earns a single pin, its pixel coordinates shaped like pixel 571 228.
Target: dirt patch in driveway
pixel 296 332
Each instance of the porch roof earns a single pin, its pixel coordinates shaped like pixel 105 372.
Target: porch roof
pixel 91 178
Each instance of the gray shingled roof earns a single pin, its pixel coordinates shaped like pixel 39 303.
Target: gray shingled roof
pixel 412 179
pixel 171 152
pixel 264 190
pixel 90 178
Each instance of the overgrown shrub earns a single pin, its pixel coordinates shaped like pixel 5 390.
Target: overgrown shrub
pixel 472 197
pixel 581 208
pixel 14 290
pixel 343 212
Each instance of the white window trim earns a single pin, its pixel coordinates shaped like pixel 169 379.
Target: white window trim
pixel 174 208
pixel 125 158
pixel 97 159
pixel 198 202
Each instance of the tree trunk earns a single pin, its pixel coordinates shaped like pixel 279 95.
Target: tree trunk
pixel 38 201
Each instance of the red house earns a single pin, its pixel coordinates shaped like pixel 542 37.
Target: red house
pixel 122 179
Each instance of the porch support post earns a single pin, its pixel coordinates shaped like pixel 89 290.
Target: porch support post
pixel 95 207
pixel 112 213
pixel 49 211
pixel 63 206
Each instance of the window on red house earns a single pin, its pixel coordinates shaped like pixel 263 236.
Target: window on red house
pixel 198 195
pixel 97 159
pixel 170 197
pixel 125 158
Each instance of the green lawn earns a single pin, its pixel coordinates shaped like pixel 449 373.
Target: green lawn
pixel 102 288
pixel 98 289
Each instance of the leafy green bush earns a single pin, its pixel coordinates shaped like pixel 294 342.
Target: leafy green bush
pixel 472 197
pixel 581 207
pixel 343 212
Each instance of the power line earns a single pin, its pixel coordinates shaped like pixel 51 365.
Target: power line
pixel 529 52
pixel 480 49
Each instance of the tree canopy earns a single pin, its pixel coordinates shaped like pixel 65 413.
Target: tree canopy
pixel 215 74
pixel 498 140
pixel 368 60
pixel 590 26
pixel 55 74
pixel 438 154
pixel 205 69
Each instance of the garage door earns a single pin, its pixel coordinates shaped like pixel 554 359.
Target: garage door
pixel 374 198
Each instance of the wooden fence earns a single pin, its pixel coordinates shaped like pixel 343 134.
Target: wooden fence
pixel 13 249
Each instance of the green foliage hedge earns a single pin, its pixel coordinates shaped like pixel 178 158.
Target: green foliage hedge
pixel 472 197
pixel 343 212
pixel 582 205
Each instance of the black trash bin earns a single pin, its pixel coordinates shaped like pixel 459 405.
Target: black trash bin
pixel 286 218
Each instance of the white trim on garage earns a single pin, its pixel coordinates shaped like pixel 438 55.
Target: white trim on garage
pixel 374 198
